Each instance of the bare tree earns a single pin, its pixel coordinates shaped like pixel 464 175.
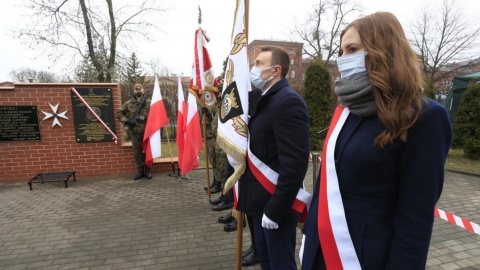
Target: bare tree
pixel 28 74
pixel 322 28
pixel 88 29
pixel 443 37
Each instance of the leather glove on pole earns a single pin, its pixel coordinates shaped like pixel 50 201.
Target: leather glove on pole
pixel 268 223
pixel 130 123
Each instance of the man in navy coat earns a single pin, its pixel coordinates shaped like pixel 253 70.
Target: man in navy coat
pixel 277 161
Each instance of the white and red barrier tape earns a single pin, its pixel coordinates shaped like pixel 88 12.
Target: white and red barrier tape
pixel 456 220
pixel 461 222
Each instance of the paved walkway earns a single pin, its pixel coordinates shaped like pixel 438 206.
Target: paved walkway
pixel 116 223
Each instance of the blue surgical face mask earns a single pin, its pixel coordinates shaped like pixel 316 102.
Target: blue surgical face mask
pixel 255 78
pixel 352 66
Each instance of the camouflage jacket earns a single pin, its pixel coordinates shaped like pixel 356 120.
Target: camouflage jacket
pixel 127 112
pixel 214 124
pixel 208 122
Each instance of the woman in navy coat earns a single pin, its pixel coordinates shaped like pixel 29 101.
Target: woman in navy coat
pixel 383 160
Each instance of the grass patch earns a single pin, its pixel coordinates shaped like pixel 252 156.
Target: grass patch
pixel 171 149
pixel 457 161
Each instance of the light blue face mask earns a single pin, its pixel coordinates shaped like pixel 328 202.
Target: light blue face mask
pixel 352 67
pixel 255 78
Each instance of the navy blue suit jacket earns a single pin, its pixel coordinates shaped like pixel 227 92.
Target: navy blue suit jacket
pixel 279 137
pixel 388 194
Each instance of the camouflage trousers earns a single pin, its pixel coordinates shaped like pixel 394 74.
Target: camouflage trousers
pixel 218 160
pixel 137 140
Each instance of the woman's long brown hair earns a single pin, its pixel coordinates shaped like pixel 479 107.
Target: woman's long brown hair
pixel 394 74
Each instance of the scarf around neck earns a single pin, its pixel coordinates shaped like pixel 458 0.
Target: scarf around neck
pixel 357 96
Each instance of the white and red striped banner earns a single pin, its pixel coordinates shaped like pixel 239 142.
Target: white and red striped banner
pixel 268 179
pixel 461 222
pixel 335 240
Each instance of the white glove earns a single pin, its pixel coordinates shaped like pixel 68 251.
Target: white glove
pixel 302 248
pixel 268 223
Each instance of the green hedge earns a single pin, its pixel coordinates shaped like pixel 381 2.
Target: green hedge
pixel 318 88
pixel 466 129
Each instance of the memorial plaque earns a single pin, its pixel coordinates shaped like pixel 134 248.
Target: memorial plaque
pixel 87 128
pixel 19 123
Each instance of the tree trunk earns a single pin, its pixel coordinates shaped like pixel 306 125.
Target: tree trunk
pixel 113 45
pixel 91 51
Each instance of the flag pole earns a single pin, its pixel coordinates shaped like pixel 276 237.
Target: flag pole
pixel 170 149
pixel 240 215
pixel 204 118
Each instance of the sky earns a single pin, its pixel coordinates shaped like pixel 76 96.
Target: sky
pixel 172 45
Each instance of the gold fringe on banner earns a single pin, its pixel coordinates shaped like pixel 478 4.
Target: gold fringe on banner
pixel 236 153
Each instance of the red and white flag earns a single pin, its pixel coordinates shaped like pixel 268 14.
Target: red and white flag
pixel 157 118
pixel 203 83
pixel 193 137
pixel 181 114
pixel 232 131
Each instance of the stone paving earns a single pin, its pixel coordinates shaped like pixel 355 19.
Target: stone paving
pixel 116 223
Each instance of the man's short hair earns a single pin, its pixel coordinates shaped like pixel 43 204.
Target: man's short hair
pixel 279 57
pixel 138 86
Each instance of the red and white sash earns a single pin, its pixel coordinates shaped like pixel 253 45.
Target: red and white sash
pixel 268 179
pixel 335 240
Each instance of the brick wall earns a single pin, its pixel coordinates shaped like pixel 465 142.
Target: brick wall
pixel 58 149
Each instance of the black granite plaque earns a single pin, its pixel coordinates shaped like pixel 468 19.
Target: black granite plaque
pixel 87 128
pixel 19 123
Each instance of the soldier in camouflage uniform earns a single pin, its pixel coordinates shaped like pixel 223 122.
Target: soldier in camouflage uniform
pixel 210 118
pixel 221 160
pixel 219 156
pixel 136 122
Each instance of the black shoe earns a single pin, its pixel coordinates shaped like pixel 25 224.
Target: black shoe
pixel 216 188
pixel 216 201
pixel 232 226
pixel 250 259
pixel 147 173
pixel 139 175
pixel 223 205
pixel 211 185
pixel 226 219
pixel 246 252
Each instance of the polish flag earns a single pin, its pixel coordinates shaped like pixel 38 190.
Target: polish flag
pixel 181 122
pixel 157 118
pixel 192 135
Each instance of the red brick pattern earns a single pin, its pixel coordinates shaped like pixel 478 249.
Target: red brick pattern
pixel 58 149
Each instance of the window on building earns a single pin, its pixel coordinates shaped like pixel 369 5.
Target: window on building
pixel 292 62
pixel 292 74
